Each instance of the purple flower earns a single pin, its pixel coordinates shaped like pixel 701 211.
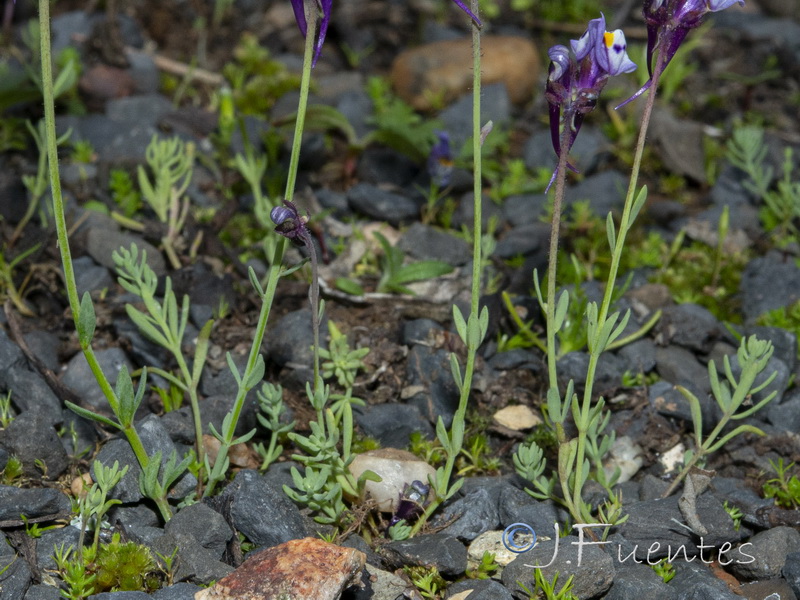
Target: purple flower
pixel 290 224
pixel 466 9
pixel 576 79
pixel 300 17
pixel 440 160
pixel 668 24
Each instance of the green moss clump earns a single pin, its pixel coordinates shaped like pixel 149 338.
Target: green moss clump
pixel 124 567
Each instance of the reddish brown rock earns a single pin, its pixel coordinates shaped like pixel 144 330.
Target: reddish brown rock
pixel 443 70
pixel 296 570
pixel 102 83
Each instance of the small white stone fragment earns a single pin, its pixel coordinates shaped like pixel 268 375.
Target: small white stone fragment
pixel 625 455
pixel 396 468
pixel 672 459
pixel 517 418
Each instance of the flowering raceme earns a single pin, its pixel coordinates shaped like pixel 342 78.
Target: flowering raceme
pixel 576 79
pixel 668 24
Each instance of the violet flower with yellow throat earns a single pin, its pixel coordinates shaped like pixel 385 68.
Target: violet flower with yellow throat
pixel 577 77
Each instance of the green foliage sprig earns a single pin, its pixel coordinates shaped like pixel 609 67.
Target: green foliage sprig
pixel 785 489
pixel 664 569
pixel 395 275
pixel 326 480
pixel 486 568
pixel 165 324
pixel 123 192
pixel 95 503
pixel 731 395
pixel 781 210
pixel 171 162
pixel 546 590
pixel 270 402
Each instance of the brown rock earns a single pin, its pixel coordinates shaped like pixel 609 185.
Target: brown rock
pixel 295 570
pixel 444 69
pixel 102 83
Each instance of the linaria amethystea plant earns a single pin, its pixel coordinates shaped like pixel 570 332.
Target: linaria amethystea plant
pixel 576 78
pixel 668 24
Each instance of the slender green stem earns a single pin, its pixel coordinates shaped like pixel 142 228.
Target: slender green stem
pixel 457 428
pixel 216 475
pixel 63 242
pixel 552 261
pixel 276 269
pixel 616 255
pixel 305 83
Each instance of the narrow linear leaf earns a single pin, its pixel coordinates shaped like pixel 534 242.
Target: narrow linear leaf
pixel 234 369
pixel 442 436
pixel 254 378
pixel 455 368
pixel 255 282
pixel 87 321
pixel 484 322
pixel 562 305
pixel 418 271
pixel 87 414
pixel 697 413
pixel 732 434
pixel 611 232
pixel 460 323
pixel 641 198
pixel 200 352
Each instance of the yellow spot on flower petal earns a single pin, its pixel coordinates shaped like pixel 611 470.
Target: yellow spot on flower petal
pixel 608 38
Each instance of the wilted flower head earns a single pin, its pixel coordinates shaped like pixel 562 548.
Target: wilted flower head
pixel 412 501
pixel 300 17
pixel 576 78
pixel 668 24
pixel 290 224
pixel 440 160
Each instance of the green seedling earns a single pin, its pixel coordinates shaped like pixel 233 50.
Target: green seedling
pixel 485 569
pixel 171 163
pixel 340 362
pixel 36 184
pixel 395 275
pixel 124 193
pixel 784 317
pixel 12 472
pixel 270 402
pixel 427 580
pixel 781 209
pixel 165 324
pixel 785 489
pixel 6 412
pixel 731 395
pixel 664 569
pixel 734 513
pixel 94 505
pixel 546 590
pixel 256 80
